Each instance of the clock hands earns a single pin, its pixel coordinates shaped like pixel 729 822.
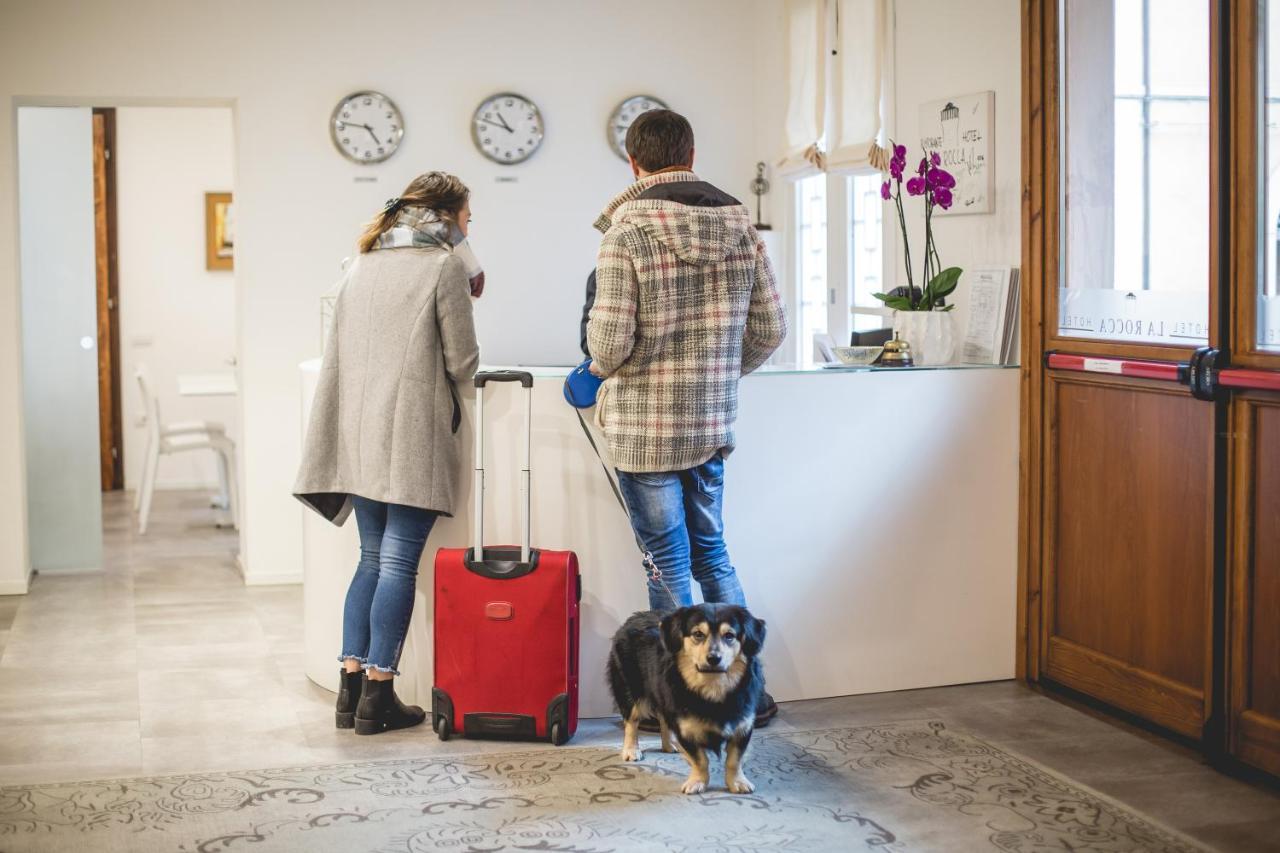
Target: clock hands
pixel 376 140
pixel 495 124
pixel 504 122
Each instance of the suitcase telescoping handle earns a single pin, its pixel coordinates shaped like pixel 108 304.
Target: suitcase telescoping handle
pixel 500 567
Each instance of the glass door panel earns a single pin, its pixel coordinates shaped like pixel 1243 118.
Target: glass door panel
pixel 1268 327
pixel 1135 171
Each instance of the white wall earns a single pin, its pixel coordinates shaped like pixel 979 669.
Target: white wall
pixel 944 48
pixel 941 48
pixel 283 66
pixel 175 315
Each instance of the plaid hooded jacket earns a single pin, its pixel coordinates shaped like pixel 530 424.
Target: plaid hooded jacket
pixel 686 303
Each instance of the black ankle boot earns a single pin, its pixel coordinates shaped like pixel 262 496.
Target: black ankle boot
pixel 380 710
pixel 349 689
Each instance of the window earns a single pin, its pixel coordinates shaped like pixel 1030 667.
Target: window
pixel 1135 125
pixel 840 259
pixel 866 253
pixel 811 272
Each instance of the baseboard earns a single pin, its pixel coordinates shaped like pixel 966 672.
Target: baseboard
pixel 19 587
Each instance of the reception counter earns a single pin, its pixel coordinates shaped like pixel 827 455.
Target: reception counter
pixel 871 515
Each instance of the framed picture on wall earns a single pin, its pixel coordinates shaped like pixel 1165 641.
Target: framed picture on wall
pixel 219 231
pixel 961 129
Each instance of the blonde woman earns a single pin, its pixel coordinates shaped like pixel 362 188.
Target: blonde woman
pixel 383 433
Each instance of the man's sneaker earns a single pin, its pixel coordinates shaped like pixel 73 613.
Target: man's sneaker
pixel 766 710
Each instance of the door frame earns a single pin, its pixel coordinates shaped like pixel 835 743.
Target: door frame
pixel 110 419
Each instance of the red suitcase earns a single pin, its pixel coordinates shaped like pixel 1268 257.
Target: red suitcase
pixel 506 625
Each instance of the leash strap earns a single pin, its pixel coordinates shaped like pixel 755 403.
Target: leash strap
pixel 650 566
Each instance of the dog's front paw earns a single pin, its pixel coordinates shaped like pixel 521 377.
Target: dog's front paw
pixel 741 785
pixel 693 785
pixel 631 753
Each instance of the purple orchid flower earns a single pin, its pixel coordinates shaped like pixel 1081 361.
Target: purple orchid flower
pixel 884 191
pixel 942 198
pixel 916 186
pixel 923 167
pixel 935 158
pixel 900 152
pixel 895 168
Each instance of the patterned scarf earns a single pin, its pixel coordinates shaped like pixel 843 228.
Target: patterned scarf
pixel 417 227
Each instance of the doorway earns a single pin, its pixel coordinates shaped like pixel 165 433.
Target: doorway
pixel 1150 524
pixel 129 325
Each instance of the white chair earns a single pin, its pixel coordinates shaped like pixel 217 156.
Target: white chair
pixel 165 439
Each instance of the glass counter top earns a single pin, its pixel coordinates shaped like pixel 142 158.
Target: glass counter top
pixel 553 370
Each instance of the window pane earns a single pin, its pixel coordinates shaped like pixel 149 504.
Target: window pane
pixel 1178 46
pixel 866 250
pixel 1268 293
pixel 811 234
pixel 1135 183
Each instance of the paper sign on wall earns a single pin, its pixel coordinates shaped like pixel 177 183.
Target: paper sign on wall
pixel 961 130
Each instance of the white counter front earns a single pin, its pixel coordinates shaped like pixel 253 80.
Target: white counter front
pixel 872 517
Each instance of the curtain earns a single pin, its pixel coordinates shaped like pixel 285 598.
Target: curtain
pixel 835 58
pixel 807 89
pixel 853 123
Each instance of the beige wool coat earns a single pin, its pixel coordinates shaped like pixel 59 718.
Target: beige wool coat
pixel 385 417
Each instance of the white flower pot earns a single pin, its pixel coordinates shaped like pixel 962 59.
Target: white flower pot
pixel 930 333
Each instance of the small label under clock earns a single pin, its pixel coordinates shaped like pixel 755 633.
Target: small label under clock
pixel 506 179
pixel 366 179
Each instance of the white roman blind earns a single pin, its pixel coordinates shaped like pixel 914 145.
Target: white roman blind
pixel 854 121
pixel 835 61
pixel 806 87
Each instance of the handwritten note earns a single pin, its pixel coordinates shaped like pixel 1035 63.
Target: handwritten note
pixel 960 129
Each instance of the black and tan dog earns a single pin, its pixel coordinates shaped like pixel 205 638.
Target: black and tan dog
pixel 696 670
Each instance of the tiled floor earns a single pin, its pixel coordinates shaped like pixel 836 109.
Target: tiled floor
pixel 166 662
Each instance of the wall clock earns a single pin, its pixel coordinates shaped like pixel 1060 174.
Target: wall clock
pixel 623 115
pixel 366 127
pixel 507 128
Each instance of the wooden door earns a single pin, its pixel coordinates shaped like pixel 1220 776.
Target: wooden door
pixel 1150 538
pixel 110 433
pixel 1253 380
pixel 1120 459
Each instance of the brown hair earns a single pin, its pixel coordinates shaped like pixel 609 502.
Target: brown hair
pixel 659 139
pixel 439 191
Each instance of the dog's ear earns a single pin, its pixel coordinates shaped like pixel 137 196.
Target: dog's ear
pixel 673 631
pixel 753 631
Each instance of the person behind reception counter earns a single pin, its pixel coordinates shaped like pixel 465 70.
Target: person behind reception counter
pixel 383 435
pixel 684 304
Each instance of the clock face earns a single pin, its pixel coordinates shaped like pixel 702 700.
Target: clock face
pixel 366 127
pixel 507 128
pixel 625 113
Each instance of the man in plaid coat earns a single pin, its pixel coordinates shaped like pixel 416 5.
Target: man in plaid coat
pixel 685 304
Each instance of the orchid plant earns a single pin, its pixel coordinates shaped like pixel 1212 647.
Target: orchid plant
pixel 935 184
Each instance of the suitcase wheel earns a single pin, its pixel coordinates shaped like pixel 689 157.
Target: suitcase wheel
pixel 557 733
pixel 442 727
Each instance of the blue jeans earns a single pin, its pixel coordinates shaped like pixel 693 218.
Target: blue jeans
pixel 677 517
pixel 379 602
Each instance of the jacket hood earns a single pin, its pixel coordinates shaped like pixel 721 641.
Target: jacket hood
pixel 695 220
pixel 696 235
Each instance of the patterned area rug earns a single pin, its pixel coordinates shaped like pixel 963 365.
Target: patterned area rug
pixel 906 786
